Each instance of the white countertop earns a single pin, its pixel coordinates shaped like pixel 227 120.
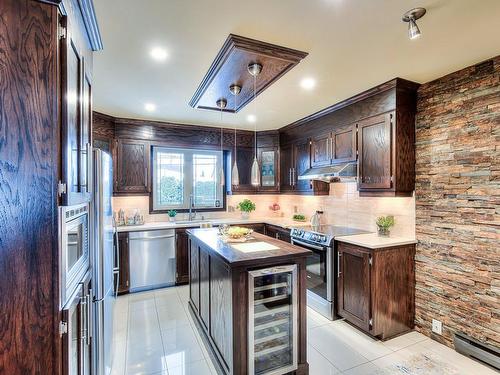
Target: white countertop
pixel 281 222
pixel 374 241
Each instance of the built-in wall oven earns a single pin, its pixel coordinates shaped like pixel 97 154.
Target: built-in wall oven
pixel 74 248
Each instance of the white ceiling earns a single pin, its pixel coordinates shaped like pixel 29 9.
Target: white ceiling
pixel 352 44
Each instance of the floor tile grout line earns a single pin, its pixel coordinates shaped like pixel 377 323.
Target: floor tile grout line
pixel 161 336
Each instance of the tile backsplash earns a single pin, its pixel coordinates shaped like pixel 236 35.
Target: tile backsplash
pixel 343 206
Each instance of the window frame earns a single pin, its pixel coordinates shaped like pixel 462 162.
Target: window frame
pixel 188 170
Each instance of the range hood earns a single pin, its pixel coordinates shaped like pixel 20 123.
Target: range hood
pixel 345 172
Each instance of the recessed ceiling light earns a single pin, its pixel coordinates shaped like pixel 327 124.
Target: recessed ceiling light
pixel 159 54
pixel 150 107
pixel 308 83
pixel 251 118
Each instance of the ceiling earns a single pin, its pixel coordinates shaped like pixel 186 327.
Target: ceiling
pixel 353 45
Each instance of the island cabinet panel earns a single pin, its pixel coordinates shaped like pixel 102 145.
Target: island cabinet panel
pixel 228 330
pixel 376 288
pixel 132 166
pixel 194 274
pixel 204 308
pixel 221 321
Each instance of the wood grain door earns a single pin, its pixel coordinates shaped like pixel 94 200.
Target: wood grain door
pixel 354 285
pixel 205 288
pixel 320 150
pixel 244 160
pixel 194 274
pixel 181 256
pixel 286 165
pixel 343 143
pixel 132 167
pixel 376 152
pixel 302 158
pixel 124 272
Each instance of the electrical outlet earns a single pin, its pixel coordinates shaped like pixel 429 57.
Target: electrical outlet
pixel 295 209
pixel 437 326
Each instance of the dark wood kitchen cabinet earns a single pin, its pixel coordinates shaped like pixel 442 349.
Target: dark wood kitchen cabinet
pixel 181 256
pixel 77 331
pixel 76 111
pixel 132 166
pixel 124 272
pixel 278 232
pixel 257 228
pixel 194 274
pixel 244 160
pixel 376 288
pixel 320 150
pixel 343 144
pixel 295 159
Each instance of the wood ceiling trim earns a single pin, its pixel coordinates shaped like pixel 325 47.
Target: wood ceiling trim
pixel 230 67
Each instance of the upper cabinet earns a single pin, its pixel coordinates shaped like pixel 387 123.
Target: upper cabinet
pixel 376 152
pixel 376 128
pixel 75 70
pixel 132 167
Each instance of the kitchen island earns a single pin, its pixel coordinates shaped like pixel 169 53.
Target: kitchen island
pixel 249 301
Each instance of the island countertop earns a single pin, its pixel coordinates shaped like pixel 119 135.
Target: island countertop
pixel 257 250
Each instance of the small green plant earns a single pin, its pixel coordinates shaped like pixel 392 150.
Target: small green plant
pixel 384 223
pixel 171 213
pixel 246 205
pixel 299 217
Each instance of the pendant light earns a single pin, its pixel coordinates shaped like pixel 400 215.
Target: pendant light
pixel 254 69
pixel 235 174
pixel 221 103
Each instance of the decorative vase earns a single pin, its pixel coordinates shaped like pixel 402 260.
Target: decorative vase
pixel 171 219
pixel 384 231
pixel 245 215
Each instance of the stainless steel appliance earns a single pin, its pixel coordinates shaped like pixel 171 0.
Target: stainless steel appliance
pixel 343 172
pixel 152 259
pixel 321 264
pixel 272 320
pixel 104 263
pixel 74 248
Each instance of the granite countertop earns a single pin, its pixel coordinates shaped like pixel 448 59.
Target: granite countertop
pixel 374 241
pixel 258 250
pixel 281 222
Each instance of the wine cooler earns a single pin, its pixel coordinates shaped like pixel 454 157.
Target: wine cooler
pixel 272 325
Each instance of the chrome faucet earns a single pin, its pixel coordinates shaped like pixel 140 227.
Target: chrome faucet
pixel 191 215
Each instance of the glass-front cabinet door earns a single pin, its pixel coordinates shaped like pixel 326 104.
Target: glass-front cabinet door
pixel 272 326
pixel 268 162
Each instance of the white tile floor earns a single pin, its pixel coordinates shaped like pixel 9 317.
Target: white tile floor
pixel 155 335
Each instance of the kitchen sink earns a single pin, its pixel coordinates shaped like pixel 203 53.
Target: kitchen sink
pixel 192 222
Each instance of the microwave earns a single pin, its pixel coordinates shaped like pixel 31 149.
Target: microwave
pixel 74 250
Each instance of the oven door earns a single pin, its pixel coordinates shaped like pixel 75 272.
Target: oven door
pixel 319 269
pixel 74 248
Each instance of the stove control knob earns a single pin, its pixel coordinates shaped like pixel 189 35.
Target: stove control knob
pixel 314 237
pixel 323 238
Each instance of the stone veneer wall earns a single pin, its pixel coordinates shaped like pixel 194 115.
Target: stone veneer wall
pixel 458 204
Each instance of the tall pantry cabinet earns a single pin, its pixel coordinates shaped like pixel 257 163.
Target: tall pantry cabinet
pixel 45 132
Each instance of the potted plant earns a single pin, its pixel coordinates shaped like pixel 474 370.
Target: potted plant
pixel 383 224
pixel 171 215
pixel 246 206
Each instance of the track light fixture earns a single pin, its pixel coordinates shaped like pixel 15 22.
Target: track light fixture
pixel 411 17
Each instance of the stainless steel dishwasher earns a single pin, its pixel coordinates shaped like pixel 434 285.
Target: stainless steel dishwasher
pixel 152 259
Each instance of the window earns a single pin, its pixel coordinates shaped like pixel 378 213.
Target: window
pixel 180 175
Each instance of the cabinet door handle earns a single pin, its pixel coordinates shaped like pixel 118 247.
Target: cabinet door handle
pixel 89 181
pixel 290 176
pixel 293 176
pixel 339 254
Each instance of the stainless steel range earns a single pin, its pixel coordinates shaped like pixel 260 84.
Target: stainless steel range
pixel 322 264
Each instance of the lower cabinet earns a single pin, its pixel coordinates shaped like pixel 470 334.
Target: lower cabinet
pixel 124 272
pixel 375 288
pixel 258 228
pixel 76 331
pixel 277 232
pixel 181 256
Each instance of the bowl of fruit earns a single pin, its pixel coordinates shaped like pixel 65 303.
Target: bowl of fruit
pixel 239 234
